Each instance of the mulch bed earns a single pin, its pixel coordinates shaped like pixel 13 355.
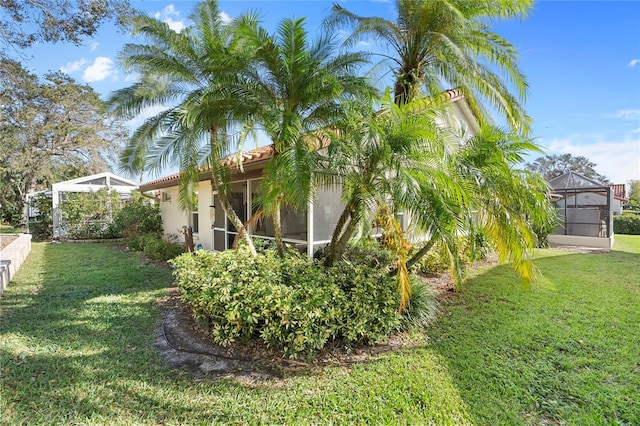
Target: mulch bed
pixel 186 345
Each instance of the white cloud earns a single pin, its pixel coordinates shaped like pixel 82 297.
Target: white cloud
pixel 101 69
pixel 73 66
pixel 176 26
pixel 225 17
pixel 626 114
pixel 366 44
pixel 171 16
pixel 634 62
pixel 132 78
pixel 94 45
pixel 618 160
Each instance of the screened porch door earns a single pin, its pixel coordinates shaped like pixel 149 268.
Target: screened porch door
pixel 219 231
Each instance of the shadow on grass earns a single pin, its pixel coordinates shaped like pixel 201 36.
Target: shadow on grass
pixel 76 347
pixel 76 338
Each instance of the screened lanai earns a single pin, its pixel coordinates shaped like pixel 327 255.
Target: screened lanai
pixel 307 230
pixel 585 210
pixel 86 184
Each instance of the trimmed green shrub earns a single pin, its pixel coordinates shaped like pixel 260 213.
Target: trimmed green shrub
pixel 626 224
pixel 368 252
pixel 435 261
pixel 41 230
pixel 155 247
pixel 292 304
pixel 138 217
pixel 474 247
pixel 42 227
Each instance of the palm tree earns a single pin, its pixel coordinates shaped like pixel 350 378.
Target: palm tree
pixel 507 203
pixel 373 156
pixel 396 161
pixel 438 43
pixel 475 187
pixel 191 76
pixel 294 88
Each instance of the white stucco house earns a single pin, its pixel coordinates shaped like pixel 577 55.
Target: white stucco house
pixel 309 231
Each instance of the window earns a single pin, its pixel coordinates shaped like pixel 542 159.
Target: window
pixel 194 218
pixel 194 221
pixel 264 226
pixel 166 197
pixel 294 224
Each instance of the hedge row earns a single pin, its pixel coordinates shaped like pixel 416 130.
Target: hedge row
pixel 627 224
pixel 292 304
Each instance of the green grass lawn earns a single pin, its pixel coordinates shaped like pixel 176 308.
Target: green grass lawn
pixel 7 229
pixel 79 319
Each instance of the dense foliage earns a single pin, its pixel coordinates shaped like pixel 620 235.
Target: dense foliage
pixel 25 23
pixel 472 248
pixel 90 215
pixel 41 227
pixel 140 222
pixel 634 196
pixel 627 224
pixel 51 130
pixel 290 303
pixel 552 166
pixel 137 217
pixel 156 246
pixel 11 203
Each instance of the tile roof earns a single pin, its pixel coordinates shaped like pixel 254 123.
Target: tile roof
pixel 619 191
pixel 255 156
pixel 250 157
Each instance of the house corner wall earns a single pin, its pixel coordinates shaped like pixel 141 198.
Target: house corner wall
pixel 173 218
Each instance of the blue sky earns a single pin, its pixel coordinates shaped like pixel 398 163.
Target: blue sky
pixel 581 58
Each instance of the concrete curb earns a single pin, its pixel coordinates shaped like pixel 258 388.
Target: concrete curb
pixel 12 257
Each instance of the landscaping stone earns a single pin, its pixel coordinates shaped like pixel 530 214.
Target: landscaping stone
pixel 12 256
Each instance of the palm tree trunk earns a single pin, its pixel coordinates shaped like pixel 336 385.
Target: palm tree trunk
pixel 335 250
pixel 404 89
pixel 416 257
pixel 341 245
pixel 277 229
pixel 400 94
pixel 216 181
